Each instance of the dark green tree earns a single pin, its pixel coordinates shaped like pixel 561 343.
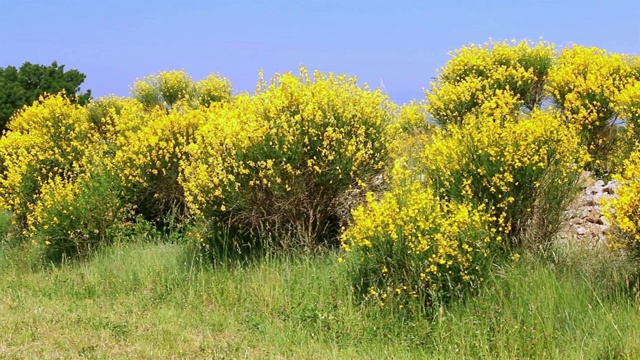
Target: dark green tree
pixel 19 87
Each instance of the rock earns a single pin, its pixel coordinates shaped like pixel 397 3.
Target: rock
pixel 584 219
pixel 593 200
pixel 585 211
pixel 592 190
pixel 573 213
pixel 594 216
pixel 611 187
pixel 380 179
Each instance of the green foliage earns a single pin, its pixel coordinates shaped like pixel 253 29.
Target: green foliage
pixel 576 306
pixel 23 86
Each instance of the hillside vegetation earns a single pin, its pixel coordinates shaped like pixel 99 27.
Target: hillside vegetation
pixel 316 216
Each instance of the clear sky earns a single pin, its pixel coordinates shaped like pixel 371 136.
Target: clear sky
pixel 398 43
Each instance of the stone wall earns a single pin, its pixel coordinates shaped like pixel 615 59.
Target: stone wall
pixel 584 219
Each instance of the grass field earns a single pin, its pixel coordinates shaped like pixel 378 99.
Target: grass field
pixel 150 300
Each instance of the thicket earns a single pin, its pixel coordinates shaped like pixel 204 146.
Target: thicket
pixel 422 198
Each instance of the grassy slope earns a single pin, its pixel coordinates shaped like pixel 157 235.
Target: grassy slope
pixel 150 301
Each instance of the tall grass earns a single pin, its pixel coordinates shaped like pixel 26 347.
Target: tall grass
pixel 5 224
pixel 157 300
pixel 576 305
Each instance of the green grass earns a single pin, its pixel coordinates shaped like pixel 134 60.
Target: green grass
pixel 578 306
pixel 153 300
pixel 5 223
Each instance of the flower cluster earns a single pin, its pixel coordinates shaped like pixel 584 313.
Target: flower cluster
pixel 501 75
pixel 504 167
pixel 585 84
pixel 165 88
pixel 72 217
pixel 409 244
pixel 410 130
pixel 115 118
pixel 624 138
pixel 213 89
pixel 624 209
pixel 148 161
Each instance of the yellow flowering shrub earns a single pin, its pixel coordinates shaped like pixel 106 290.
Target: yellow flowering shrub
pixel 213 89
pixel 623 210
pixel 216 178
pixel 408 245
pixel 55 178
pixel 590 86
pixel 627 103
pixel 625 136
pixel 114 117
pixel 276 162
pixel 209 178
pixel 501 75
pixel 413 118
pixel 148 160
pixel 73 216
pixel 586 83
pixel 168 88
pixel 510 168
pixel 149 141
pixel 410 130
pixel 164 89
pixel 49 139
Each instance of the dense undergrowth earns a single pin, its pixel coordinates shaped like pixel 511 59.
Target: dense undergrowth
pixel 417 213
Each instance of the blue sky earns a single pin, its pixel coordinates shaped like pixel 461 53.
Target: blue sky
pixel 398 43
